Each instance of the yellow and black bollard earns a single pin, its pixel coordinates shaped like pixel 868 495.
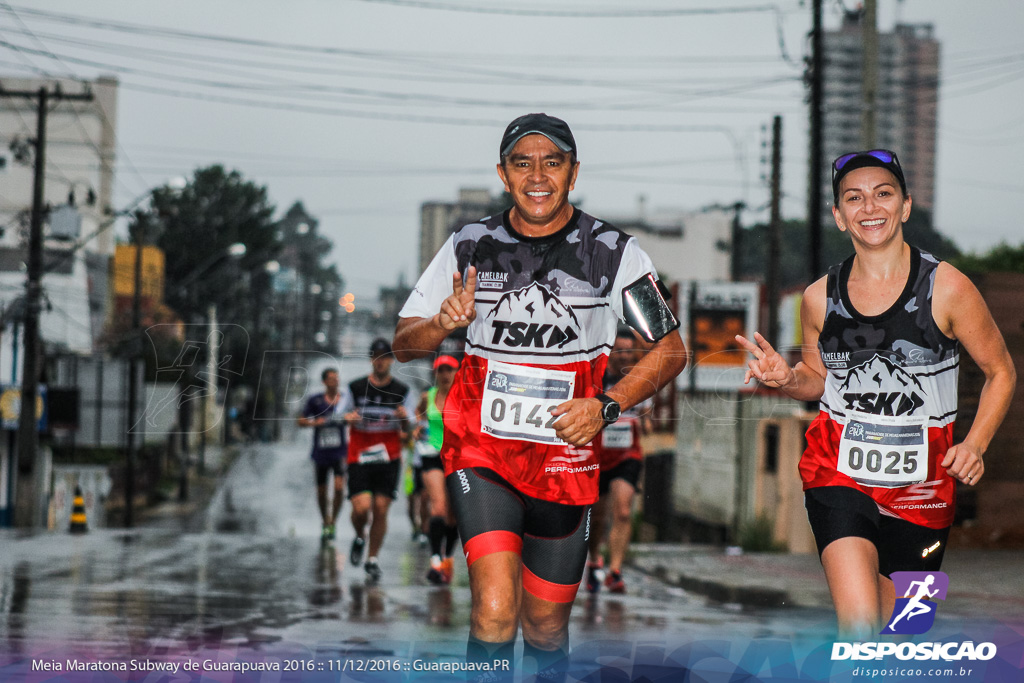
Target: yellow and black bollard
pixel 78 523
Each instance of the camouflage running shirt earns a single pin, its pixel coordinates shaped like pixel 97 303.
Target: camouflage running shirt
pixel 886 417
pixel 546 314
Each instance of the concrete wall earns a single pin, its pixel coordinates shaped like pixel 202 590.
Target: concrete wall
pixel 716 455
pixel 778 491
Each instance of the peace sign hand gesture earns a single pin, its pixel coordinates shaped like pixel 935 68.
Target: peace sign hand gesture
pixel 768 366
pixel 458 310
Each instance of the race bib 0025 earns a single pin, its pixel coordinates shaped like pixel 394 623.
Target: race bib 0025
pixel 884 451
pixel 518 400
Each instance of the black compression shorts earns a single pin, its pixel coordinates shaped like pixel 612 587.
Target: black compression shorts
pixel 627 470
pixel 323 469
pixel 380 479
pixel 840 511
pixel 431 462
pixel 550 537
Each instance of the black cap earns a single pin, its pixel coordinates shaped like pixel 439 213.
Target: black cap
pixel 880 158
pixel 553 129
pixel 380 347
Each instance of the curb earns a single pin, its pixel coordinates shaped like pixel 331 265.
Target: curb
pixel 719 591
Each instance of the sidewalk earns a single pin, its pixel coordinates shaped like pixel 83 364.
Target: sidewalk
pixel 201 488
pixel 981 582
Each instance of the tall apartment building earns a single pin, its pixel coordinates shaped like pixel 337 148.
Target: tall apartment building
pixel 906 105
pixel 80 154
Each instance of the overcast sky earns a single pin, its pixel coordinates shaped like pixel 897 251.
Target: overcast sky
pixel 364 109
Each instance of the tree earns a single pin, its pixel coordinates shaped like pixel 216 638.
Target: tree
pixel 836 247
pixel 215 210
pixel 195 227
pixel 1001 258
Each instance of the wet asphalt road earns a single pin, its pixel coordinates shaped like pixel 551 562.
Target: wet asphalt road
pixel 246 579
pixel 249 572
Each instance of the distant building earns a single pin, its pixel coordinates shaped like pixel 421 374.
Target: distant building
pixel 907 95
pixel 392 299
pixel 438 220
pixel 80 154
pixel 684 244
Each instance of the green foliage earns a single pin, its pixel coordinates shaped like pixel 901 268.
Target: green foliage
pixel 216 209
pixel 1002 258
pixel 836 246
pixel 757 536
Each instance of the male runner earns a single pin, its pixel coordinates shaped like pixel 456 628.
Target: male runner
pixel 377 423
pixel 621 457
pixel 329 448
pixel 540 289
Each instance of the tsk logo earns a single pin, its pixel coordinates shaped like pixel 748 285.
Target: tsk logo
pixel 863 389
pixel 492 280
pixel 914 613
pixel 533 317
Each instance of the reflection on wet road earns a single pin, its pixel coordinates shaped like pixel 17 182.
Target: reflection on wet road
pixel 249 572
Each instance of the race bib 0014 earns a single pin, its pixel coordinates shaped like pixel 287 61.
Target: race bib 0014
pixel 884 451
pixel 518 400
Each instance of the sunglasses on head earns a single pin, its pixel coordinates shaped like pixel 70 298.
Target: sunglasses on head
pixel 884 155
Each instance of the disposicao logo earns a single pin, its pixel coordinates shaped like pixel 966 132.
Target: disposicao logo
pixel 914 613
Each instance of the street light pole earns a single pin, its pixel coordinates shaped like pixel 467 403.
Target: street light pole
pixel 136 344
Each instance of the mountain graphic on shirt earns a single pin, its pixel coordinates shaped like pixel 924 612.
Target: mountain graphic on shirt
pixel 881 387
pixel 532 317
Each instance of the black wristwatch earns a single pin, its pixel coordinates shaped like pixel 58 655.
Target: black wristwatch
pixel 610 408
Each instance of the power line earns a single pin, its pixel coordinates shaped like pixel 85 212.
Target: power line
pixel 310 90
pixel 590 13
pixel 567 60
pixel 103 115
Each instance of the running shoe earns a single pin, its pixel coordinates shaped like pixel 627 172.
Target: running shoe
pixel 324 535
pixel 373 571
pixel 447 569
pixel 595 573
pixel 329 532
pixel 615 583
pixel 355 555
pixel 436 573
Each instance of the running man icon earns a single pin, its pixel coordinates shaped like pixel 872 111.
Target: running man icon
pixel 919 591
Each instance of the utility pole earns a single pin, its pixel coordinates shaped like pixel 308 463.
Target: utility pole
pixel 816 165
pixel 737 242
pixel 869 79
pixel 28 512
pixel 775 232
